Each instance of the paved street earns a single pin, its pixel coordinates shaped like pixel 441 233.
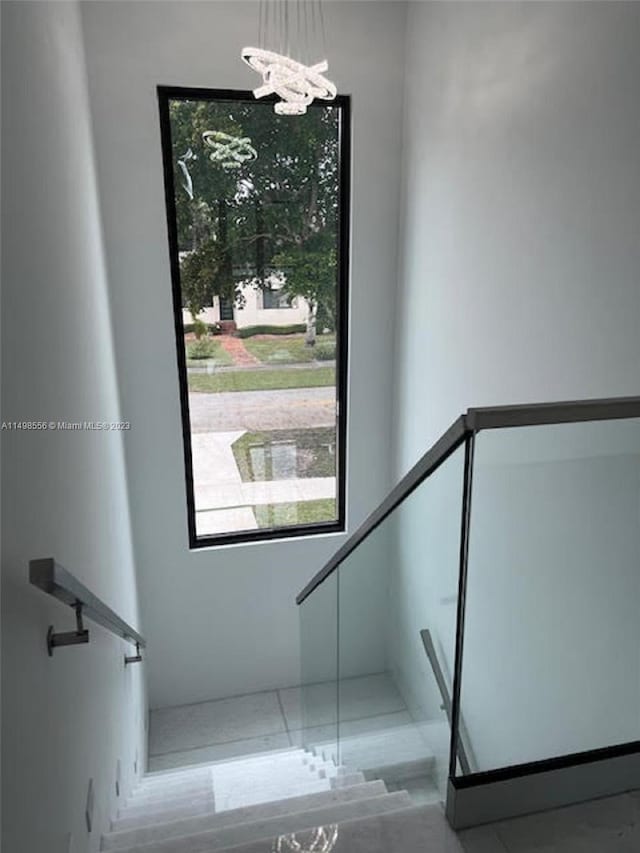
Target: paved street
pixel 290 408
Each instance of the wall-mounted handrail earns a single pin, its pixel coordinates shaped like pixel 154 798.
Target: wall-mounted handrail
pixel 55 580
pixel 474 421
pixel 438 674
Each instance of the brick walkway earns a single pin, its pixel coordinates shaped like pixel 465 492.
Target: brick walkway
pixel 238 352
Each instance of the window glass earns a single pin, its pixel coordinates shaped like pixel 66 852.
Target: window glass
pixel 257 210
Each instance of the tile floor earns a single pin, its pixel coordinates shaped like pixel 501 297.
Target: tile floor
pixel 275 719
pixel 610 825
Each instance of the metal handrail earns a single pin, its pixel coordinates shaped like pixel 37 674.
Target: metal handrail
pixel 474 421
pixel 56 581
pixel 447 706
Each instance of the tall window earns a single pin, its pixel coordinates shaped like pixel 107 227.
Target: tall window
pixel 258 223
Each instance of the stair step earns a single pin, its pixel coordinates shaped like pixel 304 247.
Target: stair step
pixel 153 781
pixel 132 807
pixel 204 806
pixel 176 790
pixel 282 824
pixel 170 762
pixel 192 776
pixel 233 788
pixel 159 778
pixel 409 829
pixel 221 778
pixel 213 820
pixel 146 817
pixel 422 790
pixel 393 754
pixel 346 780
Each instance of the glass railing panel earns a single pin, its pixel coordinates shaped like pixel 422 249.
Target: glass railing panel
pixel 551 662
pixel 400 581
pixel 312 715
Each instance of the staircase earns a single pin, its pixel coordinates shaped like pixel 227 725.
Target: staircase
pixel 288 800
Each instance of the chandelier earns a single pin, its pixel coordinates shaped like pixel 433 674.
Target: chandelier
pixel 321 839
pixel 295 28
pixel 228 151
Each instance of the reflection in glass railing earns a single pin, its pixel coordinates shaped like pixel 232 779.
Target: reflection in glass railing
pixel 286 454
pixel 315 726
pixel 401 578
pixel 552 637
pixel 321 839
pixel 265 479
pixel 369 687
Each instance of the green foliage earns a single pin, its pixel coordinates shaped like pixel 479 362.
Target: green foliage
pixel 211 328
pixel 325 351
pixel 250 331
pixel 199 328
pixel 277 210
pixel 310 273
pixel 203 276
pixel 198 271
pixel 262 379
pixel 303 512
pixel 278 349
pixel 315 452
pixel 202 348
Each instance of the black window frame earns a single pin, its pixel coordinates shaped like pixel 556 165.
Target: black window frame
pixel 166 94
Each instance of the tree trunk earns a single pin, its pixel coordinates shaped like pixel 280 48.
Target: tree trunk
pixel 260 253
pixel 227 260
pixel 310 336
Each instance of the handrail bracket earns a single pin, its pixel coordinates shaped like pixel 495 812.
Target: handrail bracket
pixel 55 580
pixel 68 638
pixel 137 658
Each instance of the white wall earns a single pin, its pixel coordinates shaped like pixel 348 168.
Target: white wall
pixel 252 313
pixel 521 207
pixel 223 621
pixel 69 718
pixel 519 283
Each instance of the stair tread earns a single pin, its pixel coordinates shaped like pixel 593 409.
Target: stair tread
pixel 279 824
pixel 188 767
pixel 347 780
pixel 212 820
pixel 202 806
pixel 225 781
pixel 132 808
pixel 408 829
pixel 387 748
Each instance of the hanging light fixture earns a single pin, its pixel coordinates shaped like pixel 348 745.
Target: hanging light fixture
pixel 228 151
pixel 294 81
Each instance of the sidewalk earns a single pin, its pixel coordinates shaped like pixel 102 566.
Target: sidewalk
pixel 220 489
pixel 229 495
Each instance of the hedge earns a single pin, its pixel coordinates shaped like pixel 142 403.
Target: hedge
pixel 250 331
pixel 213 328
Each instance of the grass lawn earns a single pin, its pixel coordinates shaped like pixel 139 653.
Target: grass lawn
pixel 294 453
pixel 304 512
pixel 284 349
pixel 261 380
pixel 215 354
